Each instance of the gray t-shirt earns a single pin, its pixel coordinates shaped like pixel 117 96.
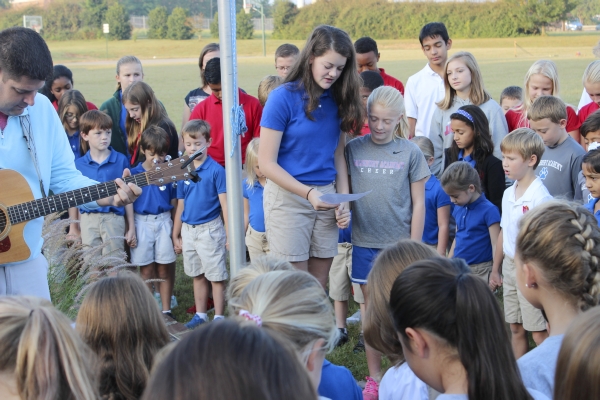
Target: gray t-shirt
pixel 538 366
pixel 383 217
pixel 559 169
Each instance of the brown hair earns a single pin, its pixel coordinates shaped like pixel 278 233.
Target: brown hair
pixel 93 119
pixel 459 176
pixel 195 128
pixel 153 113
pixel 40 349
pixel 549 107
pixel 591 124
pixel 127 60
pixel 286 50
pixel 378 328
pixel 71 98
pixel 231 360
pixel 155 139
pixel 525 142
pixel 571 268
pixel 121 322
pixel 266 86
pixel 578 365
pixel 209 48
pixel 477 93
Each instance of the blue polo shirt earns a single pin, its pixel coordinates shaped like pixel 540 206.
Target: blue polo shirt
pixel 473 220
pixel 435 198
pixel 468 158
pixel 256 218
pixel 590 206
pixel 109 170
pixel 75 144
pixel 153 201
pixel 307 147
pixel 201 200
pixel 337 383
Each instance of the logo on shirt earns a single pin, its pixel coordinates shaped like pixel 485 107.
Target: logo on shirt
pixel 543 173
pixel 551 163
pixel 378 167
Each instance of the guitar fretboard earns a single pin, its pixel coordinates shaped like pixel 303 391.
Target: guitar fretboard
pixel 63 201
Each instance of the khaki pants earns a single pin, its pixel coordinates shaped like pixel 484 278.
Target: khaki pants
pixel 257 243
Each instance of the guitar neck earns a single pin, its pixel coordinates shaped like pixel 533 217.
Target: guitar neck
pixel 63 201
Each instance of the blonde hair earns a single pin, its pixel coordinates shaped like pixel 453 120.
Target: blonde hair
pixel 292 303
pixel 379 329
pixel 258 267
pixel 525 142
pixel 120 320
pixel 124 61
pixel 563 240
pixel 196 128
pixel 592 73
pixel 477 93
pixel 578 364
pixel 390 98
pixel 266 86
pixel 41 350
pixel 251 162
pixel 426 146
pixel 546 68
pixel 549 107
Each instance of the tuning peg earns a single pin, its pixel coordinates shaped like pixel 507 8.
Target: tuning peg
pixel 174 185
pixel 162 188
pixel 168 158
pixel 155 161
pixel 180 153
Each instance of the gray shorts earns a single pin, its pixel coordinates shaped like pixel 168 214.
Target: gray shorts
pixel 29 278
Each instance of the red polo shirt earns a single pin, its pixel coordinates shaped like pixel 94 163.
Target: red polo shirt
pixel 587 110
pixel 514 120
pixel 391 81
pixel 211 110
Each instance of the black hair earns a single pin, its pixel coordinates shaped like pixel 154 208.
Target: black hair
pixel 212 72
pixel 23 52
pixel 591 124
pixel 58 71
pixel 371 80
pixel 483 146
pixel 365 45
pixel 286 50
pixel 511 92
pixel 432 30
pixel 443 297
pixel 592 158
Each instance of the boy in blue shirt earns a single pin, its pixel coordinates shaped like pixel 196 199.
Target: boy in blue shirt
pixel 154 211
pixel 198 231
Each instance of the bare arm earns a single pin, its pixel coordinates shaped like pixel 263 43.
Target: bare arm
pixel 412 124
pixel 443 216
pixel 342 182
pixel 177 224
pixel 246 214
pixel 417 224
pixel 130 234
pixel 74 231
pixel 495 276
pixel 223 201
pixel 451 253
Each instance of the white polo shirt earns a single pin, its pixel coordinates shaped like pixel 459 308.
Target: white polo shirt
pixel 423 90
pixel 513 209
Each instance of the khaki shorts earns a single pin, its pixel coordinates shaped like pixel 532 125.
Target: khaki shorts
pixel 340 285
pixel 154 240
pixel 482 270
pixel 295 230
pixel 257 243
pixel 204 250
pixel 517 310
pixel 100 228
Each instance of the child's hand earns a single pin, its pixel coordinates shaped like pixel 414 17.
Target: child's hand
pixel 131 238
pixel 313 198
pixel 177 245
pixel 74 234
pixel 342 215
pixel 495 280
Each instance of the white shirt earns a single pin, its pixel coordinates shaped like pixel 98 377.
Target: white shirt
pixel 401 383
pixel 513 209
pixel 423 90
pixel 585 100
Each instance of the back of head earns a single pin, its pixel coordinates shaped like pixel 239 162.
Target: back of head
pixel 591 124
pixel 378 327
pixel 592 73
pixel 459 176
pixel 292 303
pixel 390 98
pixel 571 269
pixel 550 107
pixel 524 141
pixel 511 92
pixel 426 146
pixel 477 92
pixel 196 128
pixel 230 360
pixel 286 50
pixel 119 319
pixel 365 45
pixel 266 86
pixel 578 364
pixel 209 48
pixel 156 140
pixel 44 354
pixel 442 297
pixel 432 30
pixel 256 268
pixel 212 71
pixel 371 80
pixel 23 53
pixel 545 68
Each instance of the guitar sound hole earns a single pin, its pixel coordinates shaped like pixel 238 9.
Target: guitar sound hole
pixel 3 221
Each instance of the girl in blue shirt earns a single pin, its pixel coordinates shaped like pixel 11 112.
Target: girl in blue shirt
pixel 71 107
pixel 254 215
pixel 303 130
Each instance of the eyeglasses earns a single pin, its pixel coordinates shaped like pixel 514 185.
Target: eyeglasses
pixel 282 68
pixel 71 116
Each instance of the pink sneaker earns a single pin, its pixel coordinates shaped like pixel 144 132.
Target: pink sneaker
pixel 371 390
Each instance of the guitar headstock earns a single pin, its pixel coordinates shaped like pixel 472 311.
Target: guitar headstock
pixel 171 171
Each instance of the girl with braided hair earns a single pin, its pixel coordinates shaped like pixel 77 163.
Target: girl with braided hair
pixel 557 256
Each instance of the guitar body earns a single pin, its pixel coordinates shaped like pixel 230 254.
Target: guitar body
pixel 15 190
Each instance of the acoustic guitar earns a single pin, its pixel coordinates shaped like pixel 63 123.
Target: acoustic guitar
pixel 17 205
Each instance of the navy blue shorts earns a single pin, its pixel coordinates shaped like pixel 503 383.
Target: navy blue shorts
pixel 362 262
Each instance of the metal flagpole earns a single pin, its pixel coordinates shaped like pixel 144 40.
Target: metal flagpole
pixel 233 155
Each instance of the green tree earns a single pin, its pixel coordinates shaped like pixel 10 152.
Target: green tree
pixel 178 27
pixel 244 27
pixel 586 10
pixel 284 13
pixel 157 23
pixel 214 26
pixel 61 20
pixel 94 13
pixel 140 7
pixel 543 12
pixel 118 20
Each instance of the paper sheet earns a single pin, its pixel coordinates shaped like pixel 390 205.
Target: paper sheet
pixel 337 198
